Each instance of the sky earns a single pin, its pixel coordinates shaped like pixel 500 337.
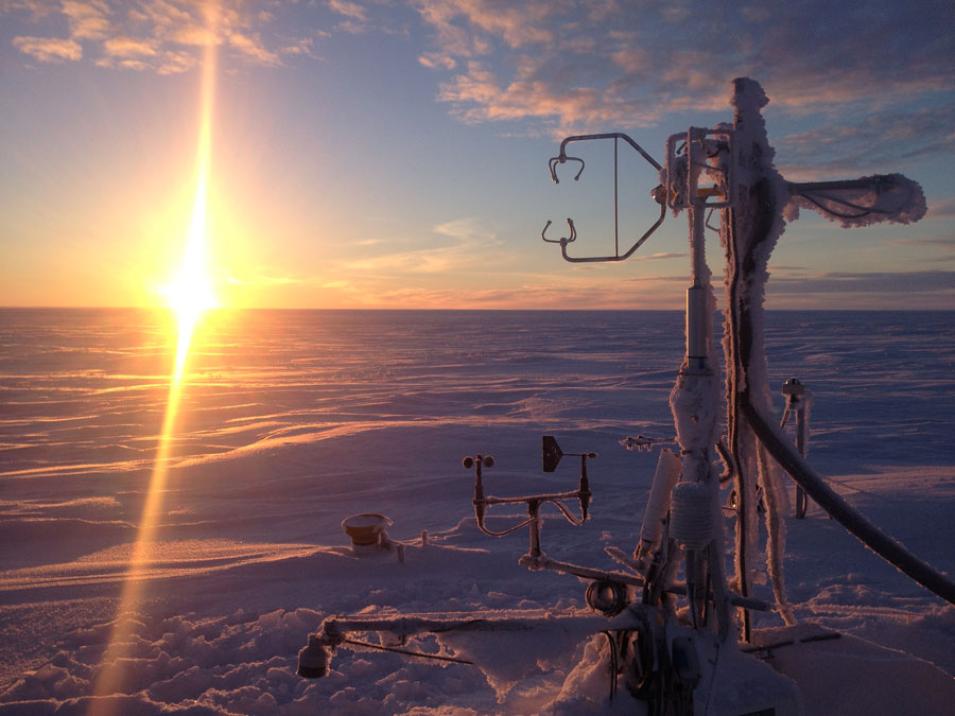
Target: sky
pixel 389 154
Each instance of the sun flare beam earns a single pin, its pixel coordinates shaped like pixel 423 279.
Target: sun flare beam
pixel 188 295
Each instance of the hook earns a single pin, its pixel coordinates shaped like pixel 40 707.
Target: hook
pixel 562 240
pixel 561 159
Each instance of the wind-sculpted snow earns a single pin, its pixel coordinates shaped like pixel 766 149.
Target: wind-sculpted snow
pixel 293 420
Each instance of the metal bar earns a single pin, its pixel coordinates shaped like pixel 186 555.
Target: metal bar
pixel 801 429
pixel 547 497
pixel 616 221
pixel 805 186
pixel 544 562
pixel 608 135
pixel 622 257
pixel 439 623
pixel 407 652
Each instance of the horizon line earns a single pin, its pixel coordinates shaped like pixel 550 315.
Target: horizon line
pixel 449 310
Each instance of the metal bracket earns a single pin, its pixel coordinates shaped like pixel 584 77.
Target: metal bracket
pixel 659 196
pixel 695 154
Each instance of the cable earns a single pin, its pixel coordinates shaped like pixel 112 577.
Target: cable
pixel 613 664
pixel 565 511
pixel 863 210
pixel 842 512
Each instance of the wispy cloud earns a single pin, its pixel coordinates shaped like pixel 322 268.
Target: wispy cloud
pixel 351 10
pixel 128 47
pixel 88 20
pixel 579 65
pixel 250 45
pixel 538 292
pixel 869 140
pixel 882 282
pixel 164 36
pixel 48 49
pixel 944 208
pixel 456 244
pixel 660 256
pixel 941 244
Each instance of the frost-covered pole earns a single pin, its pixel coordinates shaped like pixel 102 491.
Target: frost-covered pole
pixel 694 403
pixel 750 228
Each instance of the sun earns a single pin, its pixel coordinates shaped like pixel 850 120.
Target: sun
pixel 190 292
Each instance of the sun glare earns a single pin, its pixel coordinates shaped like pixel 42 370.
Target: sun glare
pixel 189 294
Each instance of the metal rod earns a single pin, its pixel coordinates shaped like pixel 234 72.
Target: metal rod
pixel 406 624
pixel 622 257
pixel 616 222
pixel 801 434
pixel 608 135
pixel 544 562
pixel 407 652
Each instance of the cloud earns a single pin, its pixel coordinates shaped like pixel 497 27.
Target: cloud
pixel 128 47
pixel 49 49
pixel 903 290
pixel 466 230
pixel 436 60
pixel 88 20
pixel 578 65
pixel 302 47
pixel 266 280
pixel 350 10
pixel 456 245
pixel 541 293
pixel 251 47
pixel 661 255
pixel 517 24
pixel 884 282
pixel 945 208
pixel 867 141
pixel 164 36
pixel 943 243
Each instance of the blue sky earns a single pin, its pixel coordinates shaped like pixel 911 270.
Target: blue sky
pixel 394 154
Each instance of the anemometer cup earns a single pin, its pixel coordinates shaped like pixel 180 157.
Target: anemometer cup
pixel 484 460
pixel 563 241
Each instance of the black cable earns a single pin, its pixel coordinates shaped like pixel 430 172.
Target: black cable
pixel 829 500
pixel 862 211
pixel 611 647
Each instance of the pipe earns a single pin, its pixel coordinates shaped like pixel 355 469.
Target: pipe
pixel 870 535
